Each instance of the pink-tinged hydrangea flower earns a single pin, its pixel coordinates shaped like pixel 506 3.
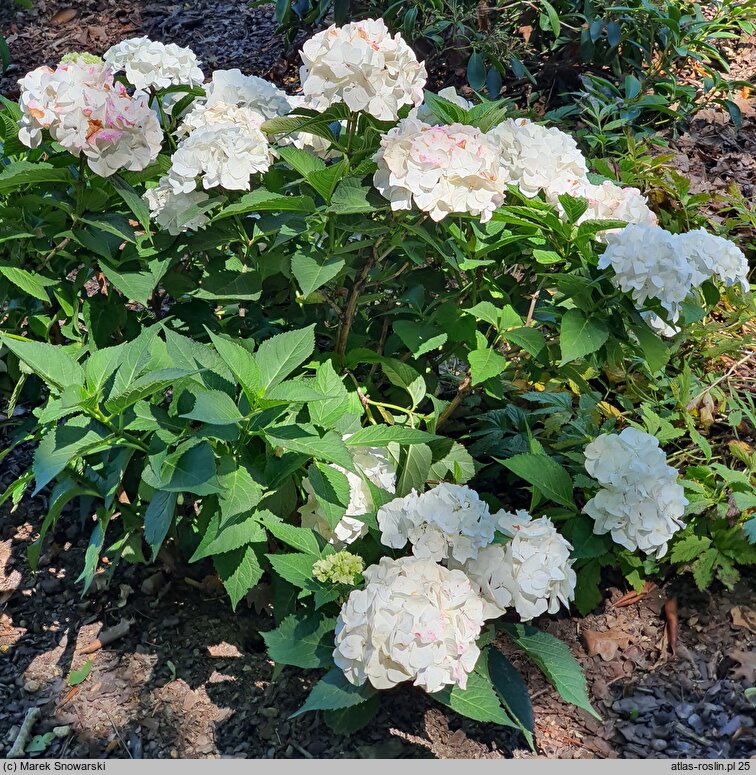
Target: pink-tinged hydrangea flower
pixel 364 66
pixel 649 264
pixel 641 502
pixel 441 169
pixel 231 87
pixel 539 158
pixel 151 64
pixel 224 147
pixel 414 621
pixel 176 213
pixel 711 256
pixel 448 522
pixel 532 573
pixel 374 466
pixel 87 112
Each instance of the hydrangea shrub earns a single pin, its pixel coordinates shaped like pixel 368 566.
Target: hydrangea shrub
pixel 287 333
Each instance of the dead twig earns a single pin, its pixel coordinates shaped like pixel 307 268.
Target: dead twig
pixel 108 636
pixel 462 391
pixel 670 612
pixel 24 733
pixel 634 597
pixel 118 734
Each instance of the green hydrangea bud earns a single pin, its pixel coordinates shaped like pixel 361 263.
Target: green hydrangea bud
pixel 339 568
pixel 81 57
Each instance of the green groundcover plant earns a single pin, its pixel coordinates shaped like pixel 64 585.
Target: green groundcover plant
pixel 404 357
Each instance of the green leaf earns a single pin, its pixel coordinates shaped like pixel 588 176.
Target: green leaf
pixel 351 197
pixel 512 692
pixel 383 435
pixel 136 286
pixel 294 568
pixel 331 488
pixel 304 162
pixel 19 173
pixel 230 536
pixel 419 338
pixel 476 71
pixel 145 386
pixel 529 339
pixel 190 470
pixel 478 701
pixel 553 17
pixel 158 518
pixel 30 283
pixel 580 335
pixel 587 590
pixel 239 571
pixel 214 407
pixel 556 661
pixel 76 677
pixel 133 201
pixel 61 445
pixel 345 721
pixel 300 538
pixel 278 356
pixel 334 692
pixel 241 362
pixel 415 470
pixel 324 181
pixel 485 364
pixel 327 382
pixel 302 642
pixel 312 273
pixel 586 545
pixel 655 352
pixel 305 439
pixel 689 548
pixel 239 493
pixel 261 200
pixel 703 568
pixel 545 474
pixel 49 362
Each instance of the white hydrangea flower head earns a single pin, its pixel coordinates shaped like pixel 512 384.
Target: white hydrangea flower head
pixel 447 522
pixel 649 264
pixel 539 158
pixel 713 256
pixel 151 64
pixel 364 66
pixel 226 149
pixel 441 169
pixel 218 113
pixel 375 466
pixel 173 212
pixel 87 112
pixel 231 87
pixel 532 573
pixel 423 112
pixel 414 621
pixel 641 502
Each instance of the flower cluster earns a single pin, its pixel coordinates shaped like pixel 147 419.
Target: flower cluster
pixel 88 112
pixel 414 621
pixel 448 522
pixel 374 466
pixel 640 502
pixel 532 572
pixel 231 87
pixel 651 263
pixel 174 212
pixel 362 65
pixel 150 64
pixel 339 568
pixel 442 169
pixel 223 145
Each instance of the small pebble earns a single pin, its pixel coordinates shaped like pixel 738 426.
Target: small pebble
pixel 63 731
pixel 659 744
pixel 696 723
pixel 32 686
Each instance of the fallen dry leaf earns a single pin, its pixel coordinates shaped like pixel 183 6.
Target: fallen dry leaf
pixel 747 670
pixel 743 616
pixel 606 644
pixel 63 16
pixel 526 31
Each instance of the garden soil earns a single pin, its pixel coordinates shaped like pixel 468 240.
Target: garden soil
pixel 188 678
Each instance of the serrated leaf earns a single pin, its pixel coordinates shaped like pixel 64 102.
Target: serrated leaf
pixel 239 571
pixel 294 568
pixel 485 364
pixel 31 283
pixel 303 642
pixel 512 692
pixel 214 407
pixel 478 701
pixel 556 662
pixel 331 488
pixel 334 692
pixel 278 356
pixel 383 435
pixel 190 470
pixel 587 590
pixel 305 439
pixel 580 335
pixel 529 339
pixel 313 272
pixel 158 518
pixel 300 538
pixel 241 362
pixel 689 548
pixel 419 338
pixel 345 721
pixel 238 492
pixel 703 568
pixel 49 362
pixel 415 470
pixel 231 535
pixel 327 382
